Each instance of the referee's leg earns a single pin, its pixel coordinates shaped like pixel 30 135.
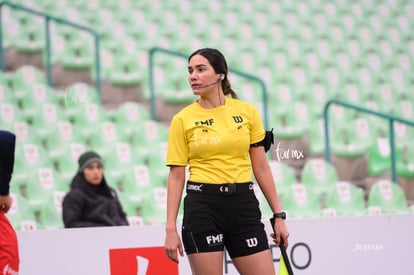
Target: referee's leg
pixel 207 263
pixel 258 263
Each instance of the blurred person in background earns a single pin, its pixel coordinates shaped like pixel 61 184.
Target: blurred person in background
pixel 222 140
pixel 9 250
pixel 91 202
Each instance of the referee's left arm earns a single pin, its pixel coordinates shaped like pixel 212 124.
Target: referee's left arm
pixel 263 175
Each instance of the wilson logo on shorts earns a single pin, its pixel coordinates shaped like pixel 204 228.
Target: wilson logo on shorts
pixel 252 242
pixel 141 261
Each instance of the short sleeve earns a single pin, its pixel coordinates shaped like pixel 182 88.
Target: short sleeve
pixel 177 153
pixel 257 132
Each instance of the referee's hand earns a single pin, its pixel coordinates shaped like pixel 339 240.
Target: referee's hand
pixel 281 232
pixel 172 245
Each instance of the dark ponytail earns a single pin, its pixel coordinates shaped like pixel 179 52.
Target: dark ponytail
pixel 219 64
pixel 225 85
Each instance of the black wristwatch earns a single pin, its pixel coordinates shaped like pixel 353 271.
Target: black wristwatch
pixel 280 215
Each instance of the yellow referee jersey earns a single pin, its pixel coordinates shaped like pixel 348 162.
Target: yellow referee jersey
pixel 215 142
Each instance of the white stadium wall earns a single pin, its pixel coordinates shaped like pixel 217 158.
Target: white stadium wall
pixel 339 245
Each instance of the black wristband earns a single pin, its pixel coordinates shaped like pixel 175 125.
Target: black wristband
pixel 280 215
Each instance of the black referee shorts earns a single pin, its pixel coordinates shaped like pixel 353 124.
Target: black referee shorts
pixel 222 216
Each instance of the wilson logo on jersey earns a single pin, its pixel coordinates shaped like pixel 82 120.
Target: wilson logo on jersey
pixel 238 119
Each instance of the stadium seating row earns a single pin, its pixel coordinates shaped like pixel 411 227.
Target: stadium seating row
pixel 37 204
pixel 356 52
pixel 334 46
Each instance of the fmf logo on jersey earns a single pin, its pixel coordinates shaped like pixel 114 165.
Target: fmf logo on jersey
pixel 141 261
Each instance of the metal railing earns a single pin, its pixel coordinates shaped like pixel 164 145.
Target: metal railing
pixel 155 50
pixel 390 118
pixel 59 20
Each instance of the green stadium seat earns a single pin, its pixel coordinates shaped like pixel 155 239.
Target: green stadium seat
pixel 99 17
pixel 6 92
pixel 320 95
pixel 404 134
pixel 152 133
pixel 282 98
pixel 379 125
pixel 316 138
pixel 23 132
pixel 135 221
pixel 353 139
pixel 119 160
pixel 64 135
pixel 388 197
pixel 406 93
pixel 283 175
pixel 125 71
pixel 77 54
pixel 105 134
pixel 342 58
pixel 405 162
pixel 30 39
pixel 176 92
pixel 38 94
pixel 325 50
pixel 136 184
pixel 312 64
pixel 301 80
pixel 405 109
pixel 44 120
pixel 365 78
pixel 106 63
pixel 57 47
pixel 9 114
pixel 345 199
pixel 397 78
pixel 11 28
pixel 288 125
pixel 379 157
pixel 21 215
pixel 130 118
pixel 319 176
pixel 339 115
pixel 88 119
pixel 42 184
pixel 384 96
pixel 156 162
pixel 50 214
pixel 131 112
pixel 248 91
pixel 155 206
pixel 24 78
pixel 376 65
pixel 30 156
pixel 80 93
pixel 67 164
pixel 131 208
pixel 301 202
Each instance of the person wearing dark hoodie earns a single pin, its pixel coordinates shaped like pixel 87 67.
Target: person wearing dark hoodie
pixel 91 202
pixel 9 249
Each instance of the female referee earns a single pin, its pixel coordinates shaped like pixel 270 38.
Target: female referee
pixel 222 141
